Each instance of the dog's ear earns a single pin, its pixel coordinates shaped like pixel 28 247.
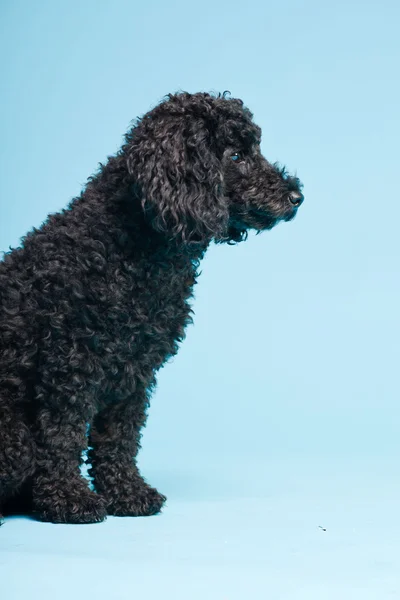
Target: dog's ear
pixel 172 158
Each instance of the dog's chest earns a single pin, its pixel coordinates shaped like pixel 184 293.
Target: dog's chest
pixel 140 311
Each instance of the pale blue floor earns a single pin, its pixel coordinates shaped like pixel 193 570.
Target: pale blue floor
pixel 265 542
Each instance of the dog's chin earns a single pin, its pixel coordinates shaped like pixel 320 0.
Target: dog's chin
pixel 261 221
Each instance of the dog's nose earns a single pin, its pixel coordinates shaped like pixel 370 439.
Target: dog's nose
pixel 296 198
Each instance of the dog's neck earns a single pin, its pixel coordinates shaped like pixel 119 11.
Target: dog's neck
pixel 119 213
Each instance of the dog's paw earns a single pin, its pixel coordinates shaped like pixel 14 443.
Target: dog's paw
pixel 69 505
pixel 139 502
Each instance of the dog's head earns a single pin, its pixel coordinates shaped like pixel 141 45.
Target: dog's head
pixel 197 161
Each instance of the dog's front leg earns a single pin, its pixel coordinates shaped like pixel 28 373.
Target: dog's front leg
pixel 115 441
pixel 60 493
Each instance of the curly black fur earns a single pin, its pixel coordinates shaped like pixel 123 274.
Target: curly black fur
pixel 97 299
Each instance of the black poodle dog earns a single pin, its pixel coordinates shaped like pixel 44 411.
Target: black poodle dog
pixel 95 301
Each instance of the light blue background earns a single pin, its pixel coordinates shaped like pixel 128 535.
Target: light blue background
pixel 280 413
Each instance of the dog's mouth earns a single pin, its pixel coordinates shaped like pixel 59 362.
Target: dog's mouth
pixel 259 219
pixel 262 219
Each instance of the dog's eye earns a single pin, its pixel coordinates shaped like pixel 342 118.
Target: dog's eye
pixel 236 156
